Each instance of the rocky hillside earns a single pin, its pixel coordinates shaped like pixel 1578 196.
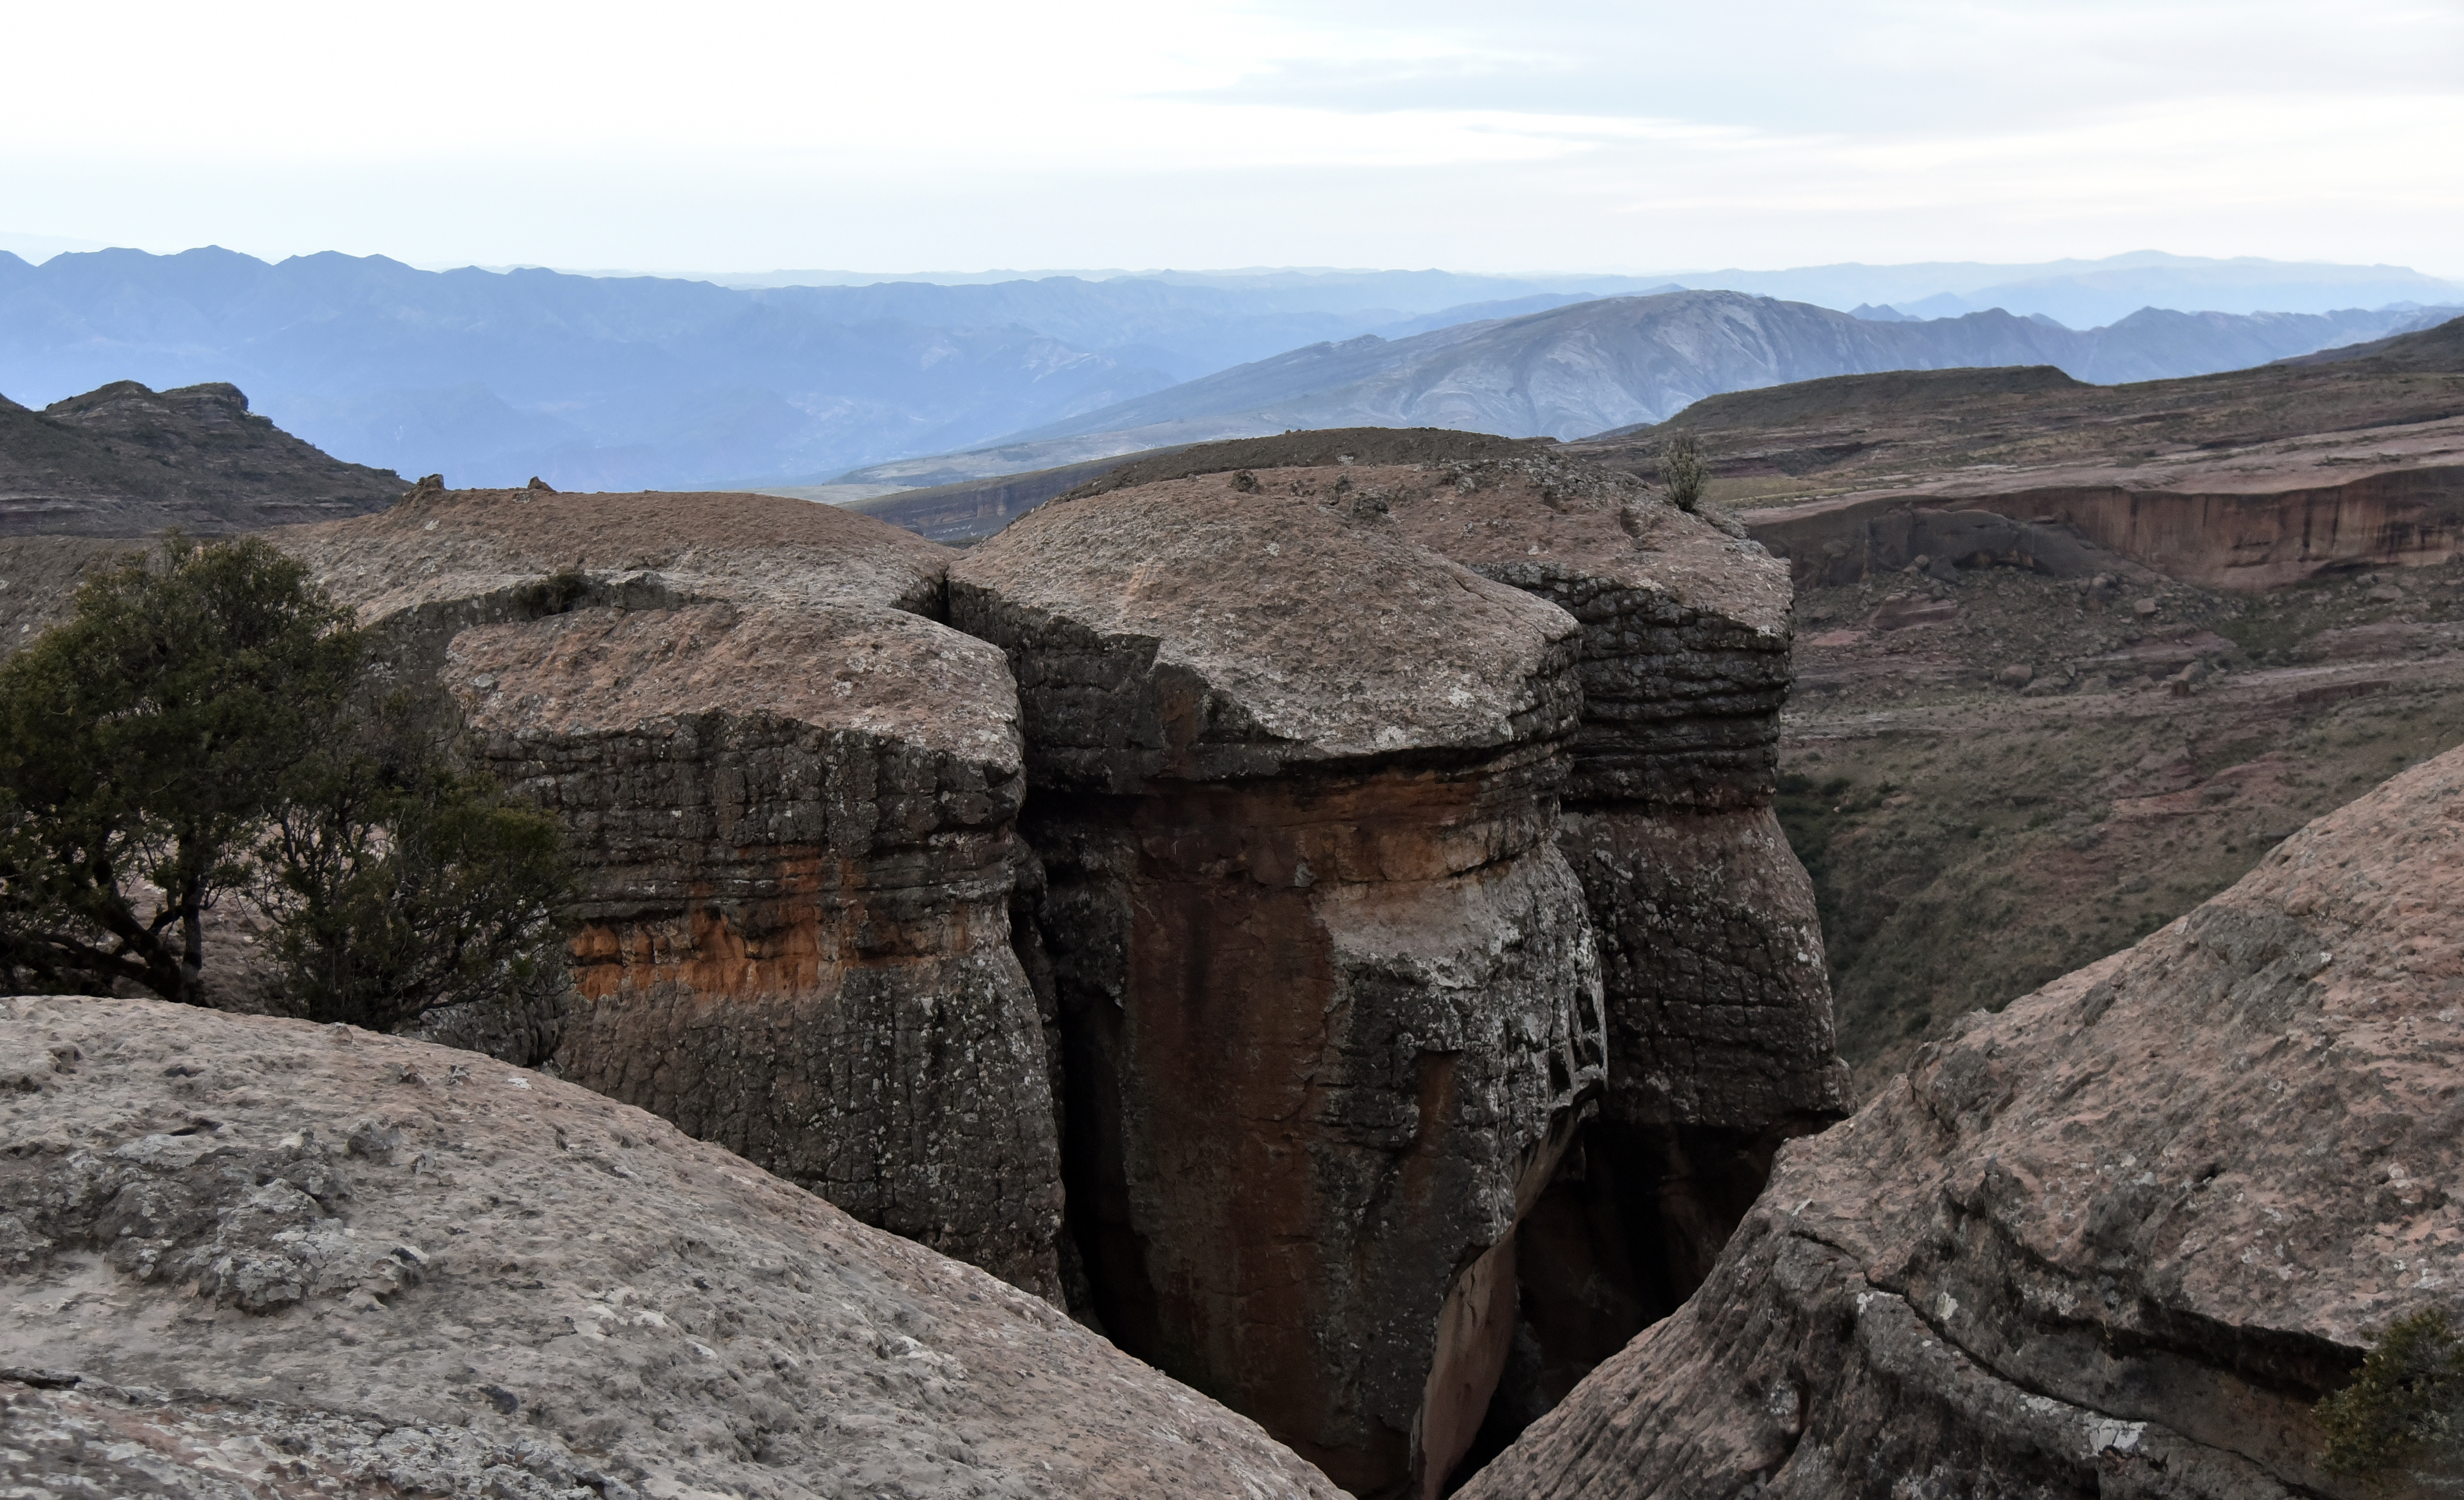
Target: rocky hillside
pixel 2117 1239
pixel 2074 659
pixel 123 461
pixel 1312 905
pixel 247 1256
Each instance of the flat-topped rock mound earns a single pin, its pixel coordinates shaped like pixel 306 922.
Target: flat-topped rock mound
pixel 436 545
pixel 2116 1239
pixel 1197 629
pixel 789 794
pixel 875 672
pixel 250 1257
pixel 794 827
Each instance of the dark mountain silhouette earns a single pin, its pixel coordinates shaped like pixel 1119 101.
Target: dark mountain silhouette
pixel 123 461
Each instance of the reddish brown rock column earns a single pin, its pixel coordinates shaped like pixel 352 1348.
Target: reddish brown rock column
pixel 792 802
pixel 1326 988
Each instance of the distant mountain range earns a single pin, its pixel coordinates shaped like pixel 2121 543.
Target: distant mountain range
pixel 1590 366
pixel 778 381
pixel 2091 293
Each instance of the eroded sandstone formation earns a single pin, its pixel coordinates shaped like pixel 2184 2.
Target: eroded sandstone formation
pixel 1251 857
pixel 2114 1240
pixel 2263 534
pixel 248 1256
pixel 1720 1024
pixel 1325 988
pixel 791 795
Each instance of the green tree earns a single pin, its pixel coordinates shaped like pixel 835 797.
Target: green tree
pixel 2402 1410
pixel 141 745
pixel 210 727
pixel 402 884
pixel 1682 474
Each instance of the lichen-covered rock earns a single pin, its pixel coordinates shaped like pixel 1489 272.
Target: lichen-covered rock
pixel 791 798
pixel 1326 987
pixel 252 1257
pixel 447 546
pixel 2114 1240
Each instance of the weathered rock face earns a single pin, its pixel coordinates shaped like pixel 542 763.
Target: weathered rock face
pixel 253 1256
pixel 2243 539
pixel 792 799
pixel 796 936
pixel 1325 988
pixel 1719 1013
pixel 2117 1239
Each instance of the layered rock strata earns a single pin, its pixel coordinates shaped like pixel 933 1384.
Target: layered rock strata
pixel 1719 1009
pixel 246 1256
pixel 791 797
pixel 1325 988
pixel 2243 539
pixel 2115 1240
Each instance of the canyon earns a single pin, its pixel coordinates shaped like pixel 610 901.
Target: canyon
pixel 2073 658
pixel 1324 922
pixel 1326 912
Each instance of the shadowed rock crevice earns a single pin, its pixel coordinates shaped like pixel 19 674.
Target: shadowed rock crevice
pixel 1326 989
pixel 1719 1013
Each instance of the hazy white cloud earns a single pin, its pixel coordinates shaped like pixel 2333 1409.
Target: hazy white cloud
pixel 1574 135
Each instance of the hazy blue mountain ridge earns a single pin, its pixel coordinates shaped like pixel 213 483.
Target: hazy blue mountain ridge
pixel 636 381
pixel 1612 362
pixel 622 382
pixel 2091 293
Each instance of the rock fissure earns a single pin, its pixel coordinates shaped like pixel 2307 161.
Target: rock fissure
pixel 1341 949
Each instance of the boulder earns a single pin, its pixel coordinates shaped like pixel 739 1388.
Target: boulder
pixel 2117 1239
pixel 1326 989
pixel 248 1256
pixel 791 796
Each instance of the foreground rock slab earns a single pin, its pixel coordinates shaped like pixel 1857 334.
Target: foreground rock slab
pixel 2117 1239
pixel 242 1256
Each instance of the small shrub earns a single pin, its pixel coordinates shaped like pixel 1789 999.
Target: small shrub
pixel 2401 1411
pixel 1682 474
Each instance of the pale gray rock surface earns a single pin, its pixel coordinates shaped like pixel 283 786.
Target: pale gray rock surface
pixel 242 1256
pixel 2117 1239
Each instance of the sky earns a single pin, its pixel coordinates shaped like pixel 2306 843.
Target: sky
pixel 1635 136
